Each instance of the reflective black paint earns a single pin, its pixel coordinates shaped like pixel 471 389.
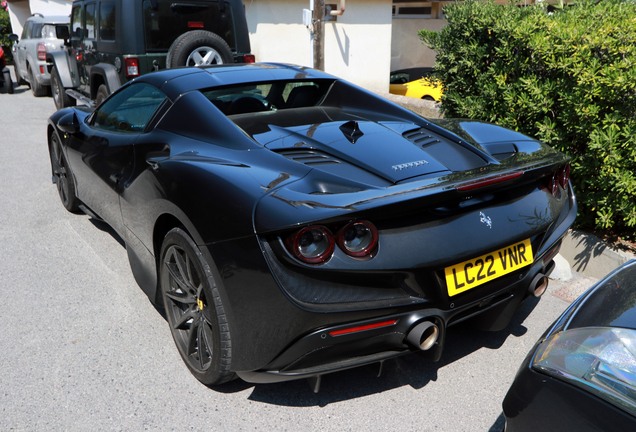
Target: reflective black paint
pixel 536 401
pixel 236 185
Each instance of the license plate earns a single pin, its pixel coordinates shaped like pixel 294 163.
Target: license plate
pixel 469 274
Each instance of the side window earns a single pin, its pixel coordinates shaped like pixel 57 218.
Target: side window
pixel 130 110
pixel 36 31
pixel 89 27
pixel 76 22
pixel 26 31
pixel 107 20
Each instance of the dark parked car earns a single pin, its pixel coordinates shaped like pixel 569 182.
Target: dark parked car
pixel 293 224
pixel 114 41
pixel 581 374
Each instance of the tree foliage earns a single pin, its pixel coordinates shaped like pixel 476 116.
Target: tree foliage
pixel 567 77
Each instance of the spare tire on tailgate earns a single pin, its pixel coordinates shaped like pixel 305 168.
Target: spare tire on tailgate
pixel 198 47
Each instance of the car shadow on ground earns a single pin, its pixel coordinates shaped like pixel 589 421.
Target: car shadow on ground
pixel 103 226
pixel 409 370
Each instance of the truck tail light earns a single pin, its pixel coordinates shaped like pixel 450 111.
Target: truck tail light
pixel 41 51
pixel 249 58
pixel 132 67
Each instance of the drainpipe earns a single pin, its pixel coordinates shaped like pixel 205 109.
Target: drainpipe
pixel 339 11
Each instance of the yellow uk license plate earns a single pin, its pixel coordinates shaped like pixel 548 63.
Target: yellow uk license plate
pixel 469 274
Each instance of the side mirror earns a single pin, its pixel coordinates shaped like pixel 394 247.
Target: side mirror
pixel 69 124
pixel 14 37
pixel 61 32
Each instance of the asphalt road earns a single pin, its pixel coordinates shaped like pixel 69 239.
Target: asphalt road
pixel 82 348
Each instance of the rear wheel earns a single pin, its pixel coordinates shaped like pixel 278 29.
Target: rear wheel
pixel 198 47
pixel 194 309
pixel 37 89
pixel 62 175
pixel 102 93
pixel 61 99
pixel 8 84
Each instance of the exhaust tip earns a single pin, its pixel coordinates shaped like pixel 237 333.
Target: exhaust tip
pixel 539 285
pixel 423 336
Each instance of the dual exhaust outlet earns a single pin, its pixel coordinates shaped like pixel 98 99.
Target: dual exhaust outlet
pixel 425 334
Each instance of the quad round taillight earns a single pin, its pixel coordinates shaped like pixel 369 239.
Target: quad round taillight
pixel 358 239
pixel 564 175
pixel 313 244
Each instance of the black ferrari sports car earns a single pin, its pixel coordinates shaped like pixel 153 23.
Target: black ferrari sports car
pixel 293 224
pixel 581 374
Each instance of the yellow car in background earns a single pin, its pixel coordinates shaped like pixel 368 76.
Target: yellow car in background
pixel 416 83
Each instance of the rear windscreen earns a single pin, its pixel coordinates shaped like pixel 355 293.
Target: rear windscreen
pixel 268 96
pixel 169 19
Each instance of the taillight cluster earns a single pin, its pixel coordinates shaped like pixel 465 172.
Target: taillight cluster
pixel 559 177
pixel 41 51
pixel 315 244
pixel 131 65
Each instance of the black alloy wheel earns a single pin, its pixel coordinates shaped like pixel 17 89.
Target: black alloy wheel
pixel 62 176
pixel 194 309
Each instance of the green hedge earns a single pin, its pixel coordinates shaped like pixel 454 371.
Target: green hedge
pixel 567 77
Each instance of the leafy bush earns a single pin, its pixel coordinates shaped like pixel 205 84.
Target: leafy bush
pixel 567 77
pixel 4 36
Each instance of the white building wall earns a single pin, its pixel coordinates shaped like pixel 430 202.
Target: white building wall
pixel 357 46
pixel 20 10
pixel 408 50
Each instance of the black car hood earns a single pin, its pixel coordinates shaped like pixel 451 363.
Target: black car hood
pixel 321 137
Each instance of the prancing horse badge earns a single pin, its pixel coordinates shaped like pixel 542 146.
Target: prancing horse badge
pixel 485 219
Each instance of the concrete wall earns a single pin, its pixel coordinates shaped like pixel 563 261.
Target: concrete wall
pixel 20 10
pixel 407 50
pixel 357 46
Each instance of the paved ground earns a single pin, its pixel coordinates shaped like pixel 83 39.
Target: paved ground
pixel 82 348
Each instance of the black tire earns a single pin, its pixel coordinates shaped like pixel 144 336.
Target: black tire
pixel 37 89
pixel 18 77
pixel 102 93
pixel 8 84
pixel 61 99
pixel 428 98
pixel 198 47
pixel 194 309
pixel 62 175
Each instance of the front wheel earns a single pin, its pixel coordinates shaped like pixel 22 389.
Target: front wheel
pixel 62 175
pixel 102 94
pixel 61 99
pixel 195 312
pixel 7 82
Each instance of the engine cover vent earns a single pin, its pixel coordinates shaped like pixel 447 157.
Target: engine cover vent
pixel 309 157
pixel 420 137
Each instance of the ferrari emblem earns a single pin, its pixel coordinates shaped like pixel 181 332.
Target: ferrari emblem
pixel 485 219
